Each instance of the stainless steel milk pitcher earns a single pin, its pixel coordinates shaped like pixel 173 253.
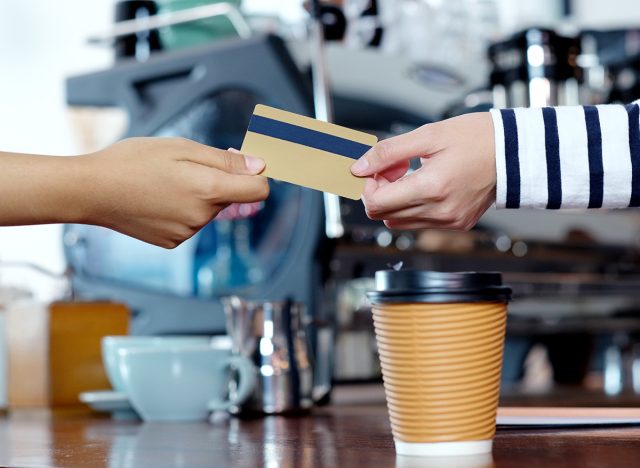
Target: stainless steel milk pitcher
pixel 273 336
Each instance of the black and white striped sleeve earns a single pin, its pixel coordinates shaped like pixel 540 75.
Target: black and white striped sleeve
pixel 568 157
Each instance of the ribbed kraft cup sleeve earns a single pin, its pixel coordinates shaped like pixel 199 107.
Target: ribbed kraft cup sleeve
pixel 441 367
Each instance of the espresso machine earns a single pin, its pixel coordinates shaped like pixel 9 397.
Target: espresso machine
pixel 206 94
pixel 536 67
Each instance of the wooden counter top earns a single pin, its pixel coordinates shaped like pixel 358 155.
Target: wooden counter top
pixel 345 434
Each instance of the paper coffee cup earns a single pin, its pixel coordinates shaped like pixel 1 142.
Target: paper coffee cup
pixel 440 339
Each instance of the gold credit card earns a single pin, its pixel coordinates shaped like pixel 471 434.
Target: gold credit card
pixel 306 151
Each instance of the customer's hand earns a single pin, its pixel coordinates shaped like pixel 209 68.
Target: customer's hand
pixel 451 190
pixel 163 190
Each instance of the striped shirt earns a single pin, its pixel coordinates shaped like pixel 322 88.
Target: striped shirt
pixel 568 157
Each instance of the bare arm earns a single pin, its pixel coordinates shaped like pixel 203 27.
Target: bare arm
pixel 159 190
pixel 39 189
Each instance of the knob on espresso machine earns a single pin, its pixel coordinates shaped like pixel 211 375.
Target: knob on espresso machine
pixel 536 67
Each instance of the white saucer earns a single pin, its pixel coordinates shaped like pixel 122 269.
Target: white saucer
pixel 109 401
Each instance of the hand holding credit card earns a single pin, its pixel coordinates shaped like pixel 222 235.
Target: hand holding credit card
pixel 306 151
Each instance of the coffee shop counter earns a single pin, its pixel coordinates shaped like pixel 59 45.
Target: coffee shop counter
pixel 353 431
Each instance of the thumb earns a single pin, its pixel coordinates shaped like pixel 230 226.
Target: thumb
pixel 394 151
pixel 231 162
pixel 254 165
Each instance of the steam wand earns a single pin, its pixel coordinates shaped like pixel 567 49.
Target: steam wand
pixel 323 110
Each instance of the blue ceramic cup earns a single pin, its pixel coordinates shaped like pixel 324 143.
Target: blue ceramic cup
pixel 112 344
pixel 184 383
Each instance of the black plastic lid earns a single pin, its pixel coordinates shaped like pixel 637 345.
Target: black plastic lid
pixel 394 286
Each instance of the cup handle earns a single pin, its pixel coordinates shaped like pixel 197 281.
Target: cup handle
pixel 246 384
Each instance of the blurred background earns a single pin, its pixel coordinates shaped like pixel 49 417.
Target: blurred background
pixel 79 75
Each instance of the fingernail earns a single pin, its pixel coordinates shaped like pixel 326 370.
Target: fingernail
pixel 360 166
pixel 254 165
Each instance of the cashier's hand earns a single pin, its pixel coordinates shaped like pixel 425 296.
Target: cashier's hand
pixel 163 190
pixel 451 190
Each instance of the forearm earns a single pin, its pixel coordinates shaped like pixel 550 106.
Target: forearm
pixel 42 189
pixel 568 157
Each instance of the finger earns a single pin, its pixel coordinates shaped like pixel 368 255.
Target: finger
pixel 396 171
pixel 227 161
pixel 371 185
pixel 232 188
pixel 413 224
pixel 240 211
pixel 406 226
pixel 255 165
pixel 401 148
pixel 413 212
pixel 394 196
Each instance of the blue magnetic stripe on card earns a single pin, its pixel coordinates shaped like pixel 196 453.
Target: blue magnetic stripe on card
pixel 594 149
pixel 307 137
pixel 512 158
pixel 552 147
pixel 634 150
